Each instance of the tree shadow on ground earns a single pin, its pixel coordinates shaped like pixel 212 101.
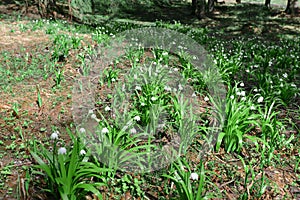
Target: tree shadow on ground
pixel 231 19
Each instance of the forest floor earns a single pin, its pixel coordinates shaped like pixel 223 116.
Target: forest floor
pixel 22 118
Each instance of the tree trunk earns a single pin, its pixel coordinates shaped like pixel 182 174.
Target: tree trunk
pixel 199 8
pixel 290 7
pixel 211 5
pixel 47 7
pixel 267 3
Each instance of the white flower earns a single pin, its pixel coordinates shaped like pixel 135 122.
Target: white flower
pixel 176 69
pixel 133 131
pixel 206 98
pixel 107 108
pixel 243 98
pixel 280 79
pixel 138 88
pixel 143 104
pixel 243 93
pixel 180 87
pixel 285 75
pixel 252 107
pixel 113 80
pixel 104 130
pixel 281 84
pixel 260 99
pixel 54 135
pixel 62 150
pixel 167 88
pixel 81 130
pixel 82 152
pixel 247 70
pixel 194 176
pixel 165 53
pixel 293 85
pixel 194 94
pixel 238 93
pixel 242 84
pixel 255 90
pixel 231 97
pixel 137 118
pixel 91 111
pixel 93 116
pixel 153 98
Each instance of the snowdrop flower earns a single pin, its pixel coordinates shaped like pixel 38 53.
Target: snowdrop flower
pixel 243 98
pixel 180 87
pixel 293 85
pixel 206 98
pixel 107 108
pixel 167 88
pixel 165 53
pixel 93 116
pixel 104 130
pixel 133 131
pixel 194 94
pixel 231 97
pixel 247 70
pixel 54 135
pixel 137 118
pixel 82 152
pixel 143 104
pixel 138 88
pixel 91 111
pixel 62 150
pixel 285 75
pixel 176 69
pixel 153 98
pixel 252 107
pixel 81 130
pixel 243 93
pixel 281 84
pixel 242 84
pixel 280 79
pixel 260 99
pixel 194 176
pixel 255 90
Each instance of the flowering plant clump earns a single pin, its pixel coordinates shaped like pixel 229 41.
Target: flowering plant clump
pixel 67 169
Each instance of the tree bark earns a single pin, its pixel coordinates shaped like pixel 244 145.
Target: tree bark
pixel 290 7
pixel 267 3
pixel 47 8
